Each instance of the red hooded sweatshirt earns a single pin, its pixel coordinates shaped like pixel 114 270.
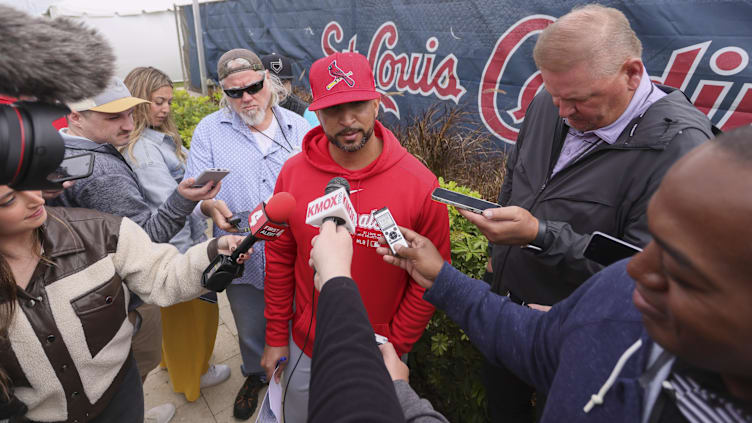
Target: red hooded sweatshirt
pixel 393 300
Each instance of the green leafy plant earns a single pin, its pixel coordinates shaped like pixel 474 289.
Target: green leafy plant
pixel 188 110
pixel 449 143
pixel 445 367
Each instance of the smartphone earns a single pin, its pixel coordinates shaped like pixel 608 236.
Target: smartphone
pixel 210 175
pixel 389 228
pixel 73 167
pixel 605 249
pixel 462 201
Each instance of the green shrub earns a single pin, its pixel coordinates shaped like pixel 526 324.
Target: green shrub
pixel 188 110
pixel 445 367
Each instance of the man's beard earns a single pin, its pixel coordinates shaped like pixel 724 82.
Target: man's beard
pixel 352 147
pixel 252 118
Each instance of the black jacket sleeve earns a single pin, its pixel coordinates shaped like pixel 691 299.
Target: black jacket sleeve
pixel 349 381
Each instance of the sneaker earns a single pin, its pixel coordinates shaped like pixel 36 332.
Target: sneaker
pixel 247 399
pixel 160 414
pixel 215 375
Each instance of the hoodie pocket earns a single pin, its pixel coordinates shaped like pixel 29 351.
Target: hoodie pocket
pixel 303 324
pixel 101 312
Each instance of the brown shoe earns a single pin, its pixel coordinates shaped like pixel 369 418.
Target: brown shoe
pixel 247 399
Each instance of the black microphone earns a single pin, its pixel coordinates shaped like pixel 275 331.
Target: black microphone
pixel 267 223
pixel 334 184
pixel 52 59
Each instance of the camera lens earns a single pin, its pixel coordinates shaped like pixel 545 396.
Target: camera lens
pixel 30 147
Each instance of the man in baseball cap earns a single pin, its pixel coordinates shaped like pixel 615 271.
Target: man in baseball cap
pixel 281 67
pixel 349 143
pixel 97 127
pixel 100 125
pixel 251 136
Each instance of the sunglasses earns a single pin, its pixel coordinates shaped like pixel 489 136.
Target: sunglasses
pixel 250 89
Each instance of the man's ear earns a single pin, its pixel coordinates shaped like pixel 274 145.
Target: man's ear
pixel 376 102
pixel 633 69
pixel 74 118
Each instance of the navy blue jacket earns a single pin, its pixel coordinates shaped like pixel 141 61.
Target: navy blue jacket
pixel 567 353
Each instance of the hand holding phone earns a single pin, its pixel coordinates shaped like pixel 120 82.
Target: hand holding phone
pixel 210 175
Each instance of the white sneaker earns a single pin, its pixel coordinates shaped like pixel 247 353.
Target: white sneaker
pixel 160 414
pixel 216 374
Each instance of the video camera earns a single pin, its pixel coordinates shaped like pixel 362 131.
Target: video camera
pixel 53 61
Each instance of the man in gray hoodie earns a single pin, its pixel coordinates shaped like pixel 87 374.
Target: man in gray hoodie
pixel 100 125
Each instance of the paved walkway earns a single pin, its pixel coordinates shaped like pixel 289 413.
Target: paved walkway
pixel 215 403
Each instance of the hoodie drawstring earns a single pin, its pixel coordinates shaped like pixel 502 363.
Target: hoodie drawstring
pixel 597 399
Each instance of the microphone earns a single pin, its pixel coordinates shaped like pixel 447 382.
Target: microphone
pixel 52 59
pixel 334 205
pixel 267 223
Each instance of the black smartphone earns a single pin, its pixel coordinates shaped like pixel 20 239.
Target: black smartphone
pixel 462 201
pixel 605 249
pixel 73 167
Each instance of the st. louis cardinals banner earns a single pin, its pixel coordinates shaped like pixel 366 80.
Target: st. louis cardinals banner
pixel 478 54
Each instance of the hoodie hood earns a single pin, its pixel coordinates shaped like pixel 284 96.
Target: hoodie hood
pixel 316 152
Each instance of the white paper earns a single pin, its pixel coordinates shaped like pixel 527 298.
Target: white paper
pixel 271 407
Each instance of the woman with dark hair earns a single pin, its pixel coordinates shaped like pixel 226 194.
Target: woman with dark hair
pixel 157 156
pixel 66 278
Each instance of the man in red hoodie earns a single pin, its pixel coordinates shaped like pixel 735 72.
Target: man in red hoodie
pixel 350 143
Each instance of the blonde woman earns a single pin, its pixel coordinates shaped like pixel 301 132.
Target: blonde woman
pixel 157 156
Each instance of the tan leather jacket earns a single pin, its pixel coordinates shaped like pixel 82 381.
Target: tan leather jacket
pixel 70 337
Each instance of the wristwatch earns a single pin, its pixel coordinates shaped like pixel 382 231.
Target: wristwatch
pixel 539 243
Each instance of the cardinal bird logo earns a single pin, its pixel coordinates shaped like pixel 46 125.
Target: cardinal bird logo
pixel 339 75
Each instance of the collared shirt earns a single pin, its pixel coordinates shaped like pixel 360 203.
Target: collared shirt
pixel 697 396
pixel 578 143
pixel 223 140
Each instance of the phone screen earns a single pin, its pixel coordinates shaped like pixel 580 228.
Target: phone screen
pixel 461 200
pixel 73 167
pixel 605 249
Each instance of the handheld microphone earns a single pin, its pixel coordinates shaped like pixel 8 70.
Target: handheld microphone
pixel 51 59
pixel 334 205
pixel 267 223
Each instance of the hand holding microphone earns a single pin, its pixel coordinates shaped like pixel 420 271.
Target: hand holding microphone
pixel 331 254
pixel 267 223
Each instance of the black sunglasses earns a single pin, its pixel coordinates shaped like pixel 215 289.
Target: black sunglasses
pixel 251 89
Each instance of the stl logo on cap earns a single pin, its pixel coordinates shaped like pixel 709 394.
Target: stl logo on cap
pixel 339 75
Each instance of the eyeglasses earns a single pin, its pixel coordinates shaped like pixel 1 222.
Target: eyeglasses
pixel 250 89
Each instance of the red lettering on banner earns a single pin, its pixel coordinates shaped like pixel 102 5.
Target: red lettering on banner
pixel 709 95
pixel 681 66
pixel 529 90
pixel 417 73
pixel 332 29
pixel 740 112
pixel 505 47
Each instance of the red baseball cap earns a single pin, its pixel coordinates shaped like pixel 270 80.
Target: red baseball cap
pixel 341 78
